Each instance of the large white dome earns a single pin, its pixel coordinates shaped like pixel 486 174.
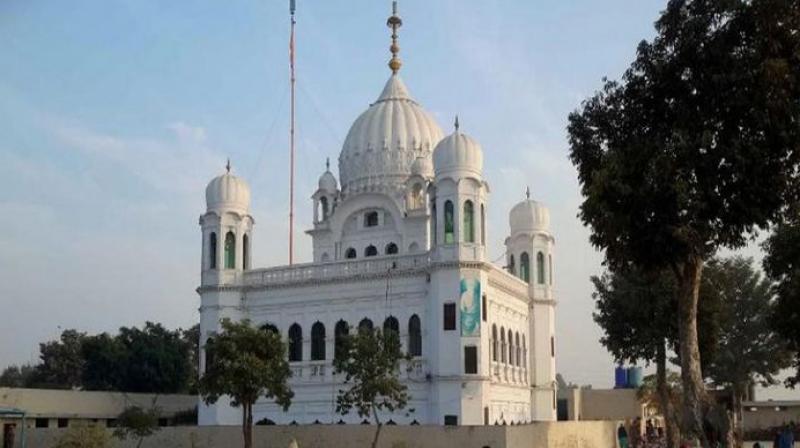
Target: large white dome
pixel 385 140
pixel 228 193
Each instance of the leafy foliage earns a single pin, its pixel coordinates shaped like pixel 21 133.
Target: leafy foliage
pixel 245 363
pixel 137 423
pixel 695 147
pixel 371 361
pixel 17 376
pixel 61 361
pixel 782 265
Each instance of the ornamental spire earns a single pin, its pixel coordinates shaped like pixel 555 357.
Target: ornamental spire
pixel 394 22
pixel 456 123
pixel 528 192
pixel 228 166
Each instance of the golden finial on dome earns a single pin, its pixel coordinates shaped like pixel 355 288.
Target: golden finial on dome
pixel 228 166
pixel 394 22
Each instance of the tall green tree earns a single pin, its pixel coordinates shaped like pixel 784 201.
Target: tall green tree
pixel 693 149
pixel 105 361
pixel 371 362
pixel 782 265
pixel 61 361
pixel 246 363
pixel 137 423
pixel 157 360
pixel 18 376
pixel 631 309
pixel 749 349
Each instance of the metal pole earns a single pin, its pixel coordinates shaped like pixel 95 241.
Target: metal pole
pixel 291 136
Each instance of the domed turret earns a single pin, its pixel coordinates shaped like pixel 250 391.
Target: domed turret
pixel 228 192
pixel 327 182
pixel 529 216
pixel 458 153
pixel 385 140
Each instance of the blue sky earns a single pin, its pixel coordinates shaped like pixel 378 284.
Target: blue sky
pixel 115 114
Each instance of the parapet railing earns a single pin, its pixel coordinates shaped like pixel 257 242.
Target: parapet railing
pixel 309 272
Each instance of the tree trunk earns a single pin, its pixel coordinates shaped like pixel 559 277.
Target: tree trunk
pixel 673 435
pixel 247 424
pixel 378 429
pixel 694 393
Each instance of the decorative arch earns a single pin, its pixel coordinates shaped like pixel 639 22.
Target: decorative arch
pixel 469 222
pixel 550 265
pixel 341 331
pixel 350 253
pixel 449 223
pixel 512 268
pixel 365 324
pixel 510 347
pixel 318 341
pixel 245 251
pixel 268 327
pixel 414 336
pixel 230 250
pixel 323 203
pixel 525 267
pixel 212 250
pixel 325 257
pixel 295 343
pixel 391 328
pixel 413 247
pixel 494 342
pixel 391 249
pixel 502 345
pixel 518 349
pixel 540 268
pixel 370 251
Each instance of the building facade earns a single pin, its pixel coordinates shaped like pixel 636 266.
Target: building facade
pixel 398 242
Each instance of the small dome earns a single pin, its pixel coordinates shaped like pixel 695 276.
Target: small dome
pixel 458 152
pixel 529 216
pixel 327 182
pixel 422 166
pixel 228 192
pixel 385 140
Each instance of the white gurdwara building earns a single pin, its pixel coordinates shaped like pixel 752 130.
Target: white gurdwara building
pixel 399 243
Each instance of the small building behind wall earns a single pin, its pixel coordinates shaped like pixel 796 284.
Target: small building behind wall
pixel 604 404
pixel 769 414
pixel 45 408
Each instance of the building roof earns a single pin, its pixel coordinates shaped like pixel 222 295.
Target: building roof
pixel 87 404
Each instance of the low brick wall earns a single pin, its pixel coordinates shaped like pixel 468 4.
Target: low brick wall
pixel 583 434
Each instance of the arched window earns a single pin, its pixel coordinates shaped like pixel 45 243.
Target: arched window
pixel 449 223
pixel 502 345
pixel 525 267
pixel 512 268
pixel 540 268
pixel 212 251
pixel 318 342
pixel 510 347
pixel 350 253
pixel 270 328
pixel 391 331
pixel 417 197
pixel 518 349
pixel 414 336
pixel 365 325
pixel 550 264
pixel 434 220
pixel 295 343
pixel 230 251
pixel 483 224
pixel 391 249
pixel 469 222
pixel 340 334
pixel 245 251
pixel 370 251
pixel 323 202
pixel 494 342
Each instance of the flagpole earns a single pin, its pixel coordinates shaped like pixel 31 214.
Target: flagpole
pixel 291 135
